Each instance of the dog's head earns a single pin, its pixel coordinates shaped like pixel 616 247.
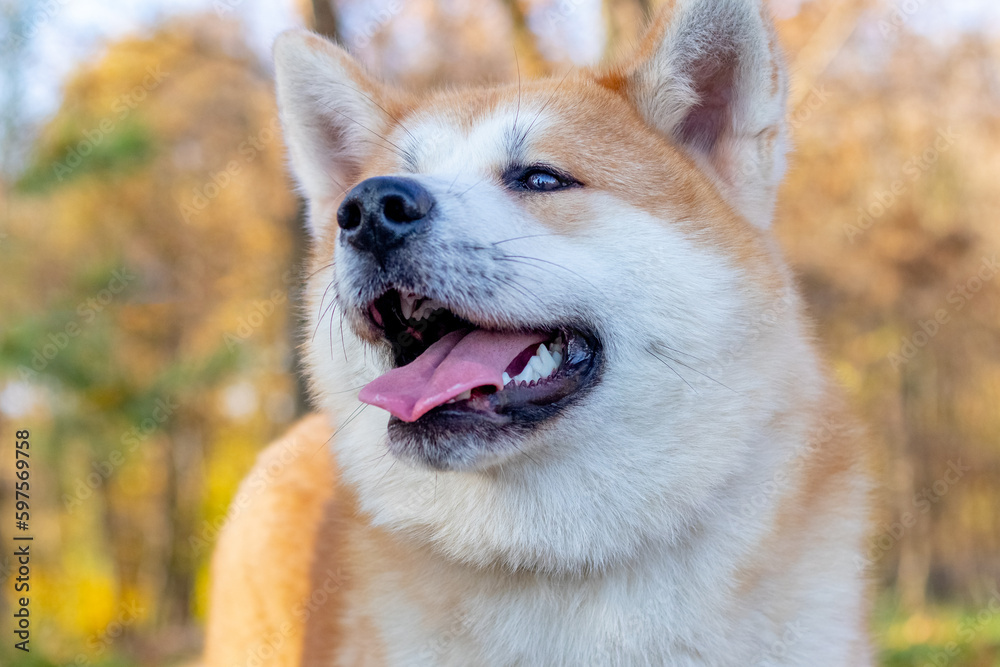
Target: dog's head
pixel 547 288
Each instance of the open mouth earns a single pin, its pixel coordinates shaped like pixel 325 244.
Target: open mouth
pixel 448 370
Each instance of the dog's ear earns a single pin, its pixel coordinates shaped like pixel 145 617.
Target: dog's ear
pixel 333 114
pixel 709 74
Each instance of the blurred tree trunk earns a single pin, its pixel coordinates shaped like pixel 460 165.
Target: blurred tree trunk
pixel 625 21
pixel 913 567
pixel 808 64
pixel 531 63
pixel 296 321
pixel 325 19
pixel 326 23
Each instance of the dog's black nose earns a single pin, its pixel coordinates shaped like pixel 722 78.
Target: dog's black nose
pixel 379 213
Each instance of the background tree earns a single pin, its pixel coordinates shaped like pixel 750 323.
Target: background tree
pixel 150 272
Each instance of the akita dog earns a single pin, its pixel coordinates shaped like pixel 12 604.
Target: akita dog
pixel 569 408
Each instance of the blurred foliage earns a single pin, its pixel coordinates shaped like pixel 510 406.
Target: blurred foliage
pixel 889 215
pixel 939 636
pixel 147 333
pixel 149 319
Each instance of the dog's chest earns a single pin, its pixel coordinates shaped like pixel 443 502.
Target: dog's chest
pixel 622 620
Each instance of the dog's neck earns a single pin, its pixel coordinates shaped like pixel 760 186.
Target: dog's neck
pixel 699 598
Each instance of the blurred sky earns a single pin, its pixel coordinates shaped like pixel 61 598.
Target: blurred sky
pixel 66 33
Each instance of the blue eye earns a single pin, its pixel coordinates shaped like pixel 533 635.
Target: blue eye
pixel 541 181
pixel 539 178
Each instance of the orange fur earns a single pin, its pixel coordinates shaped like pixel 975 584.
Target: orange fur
pixel 261 568
pixel 301 561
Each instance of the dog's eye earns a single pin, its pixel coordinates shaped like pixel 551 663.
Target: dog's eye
pixel 542 179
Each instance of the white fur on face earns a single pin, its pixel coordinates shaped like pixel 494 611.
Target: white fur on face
pixel 638 459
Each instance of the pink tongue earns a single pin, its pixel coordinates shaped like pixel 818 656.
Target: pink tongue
pixel 460 361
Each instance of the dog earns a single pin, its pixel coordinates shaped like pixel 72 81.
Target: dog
pixel 569 411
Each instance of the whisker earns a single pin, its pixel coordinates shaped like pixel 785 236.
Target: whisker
pixel 330 330
pixel 675 350
pixel 517 64
pixel 518 238
pixel 343 343
pixel 345 391
pixel 453 181
pixel 394 462
pixel 516 143
pixel 395 118
pixel 323 313
pixel 707 377
pixel 464 192
pixel 380 457
pixel 357 411
pixel 532 458
pixel 547 102
pixel 667 364
pixel 319 321
pixel 545 261
pixel 322 268
pixel 323 299
pixel 399 151
pixel 336 181
pixel 390 147
pixel 509 281
pixel 522 259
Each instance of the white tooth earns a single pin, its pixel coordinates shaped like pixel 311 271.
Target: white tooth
pixel 557 359
pixel 506 379
pixel 406 305
pixel 419 312
pixel 465 395
pixel 537 365
pixel 526 375
pixel 426 307
pixel 547 359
